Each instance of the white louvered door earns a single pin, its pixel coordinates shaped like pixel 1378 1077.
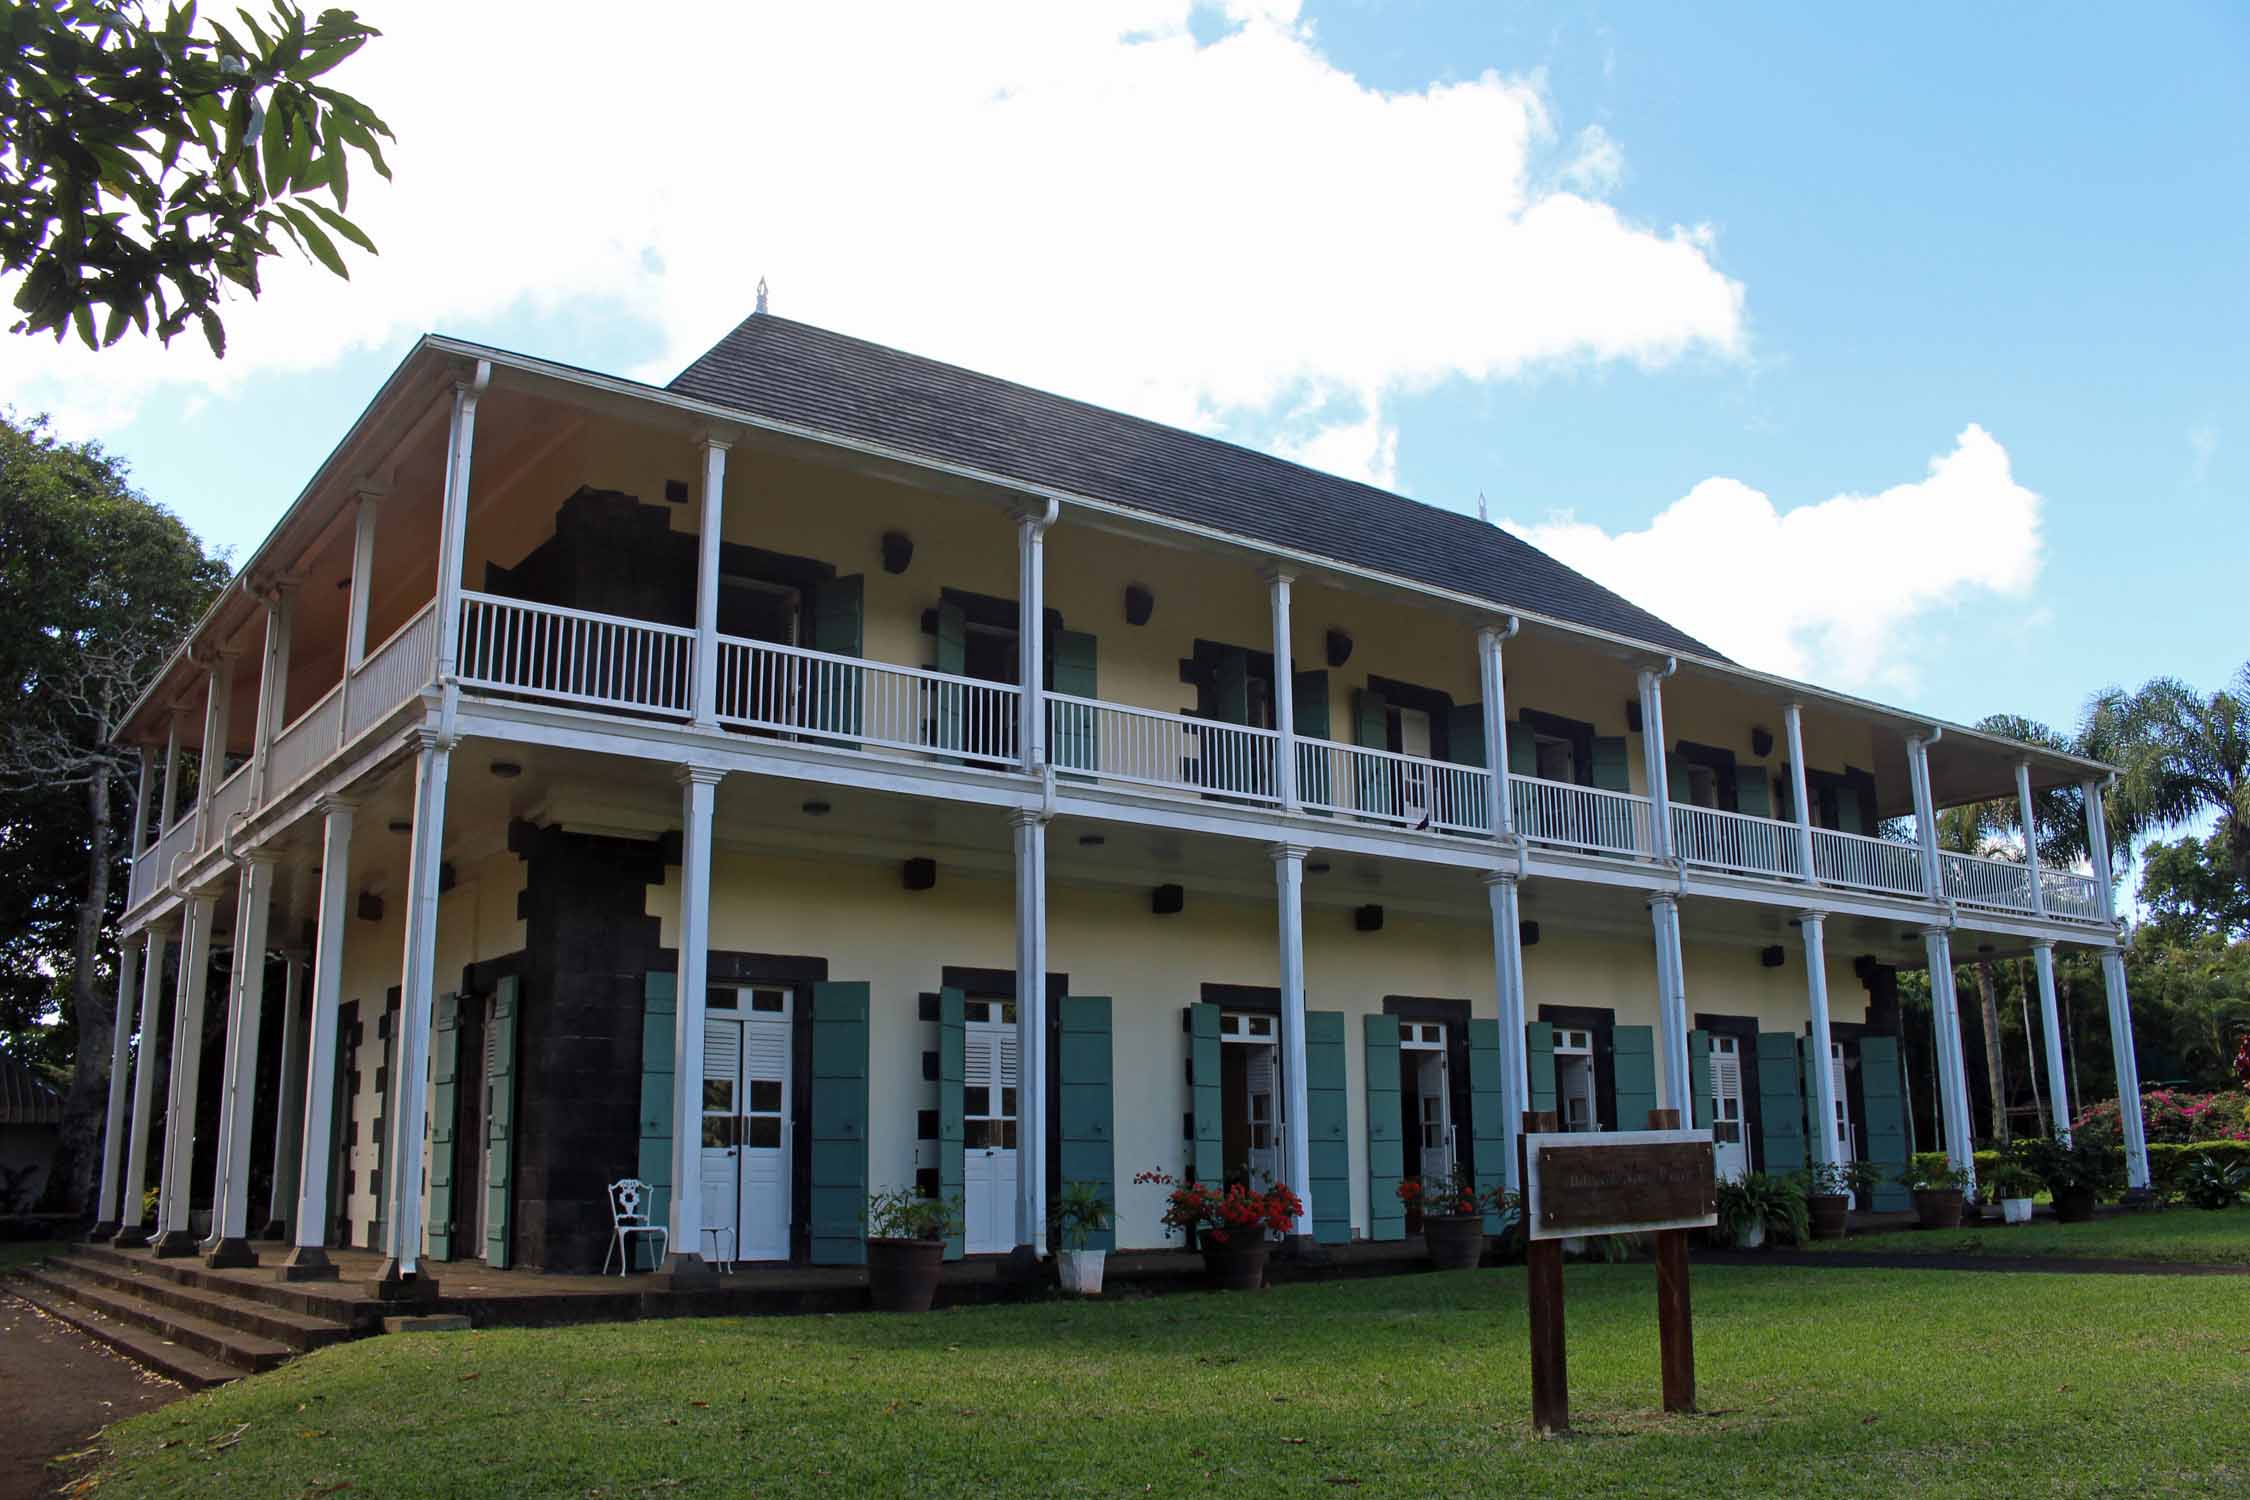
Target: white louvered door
pixel 746 1134
pixel 989 1079
pixel 1730 1143
pixel 722 1133
pixel 1262 1077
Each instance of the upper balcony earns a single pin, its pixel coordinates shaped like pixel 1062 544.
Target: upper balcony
pixel 867 614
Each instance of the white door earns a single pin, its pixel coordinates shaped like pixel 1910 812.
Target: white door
pixel 1574 1080
pixel 746 1101
pixel 1840 1127
pixel 1262 1079
pixel 990 1074
pixel 1434 1114
pixel 1731 1147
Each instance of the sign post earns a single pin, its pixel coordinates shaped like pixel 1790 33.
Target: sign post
pixel 1661 1181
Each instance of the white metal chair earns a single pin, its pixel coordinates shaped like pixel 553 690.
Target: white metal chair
pixel 627 1217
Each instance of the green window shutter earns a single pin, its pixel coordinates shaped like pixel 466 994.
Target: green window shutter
pixel 1084 1087
pixel 1461 803
pixel 839 1124
pixel 1072 670
pixel 953 657
pixel 659 1006
pixel 1753 791
pixel 1677 786
pixel 1539 1065
pixel 1327 1113
pixel 387 1027
pixel 1371 719
pixel 953 1043
pixel 499 1140
pixel 1781 1103
pixel 1612 771
pixel 1849 816
pixel 1523 750
pixel 1464 734
pixel 445 1053
pixel 1230 687
pixel 1882 1089
pixel 1374 788
pixel 1488 1095
pixel 839 615
pixel 1386 1150
pixel 1699 1077
pixel 1205 1139
pixel 1633 1066
pixel 1316 778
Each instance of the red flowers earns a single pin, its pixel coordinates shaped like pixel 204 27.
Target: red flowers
pixel 1449 1197
pixel 1218 1212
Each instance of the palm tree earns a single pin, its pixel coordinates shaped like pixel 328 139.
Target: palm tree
pixel 2180 757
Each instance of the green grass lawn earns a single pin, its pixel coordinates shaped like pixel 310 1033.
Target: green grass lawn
pixel 1846 1383
pixel 2219 1236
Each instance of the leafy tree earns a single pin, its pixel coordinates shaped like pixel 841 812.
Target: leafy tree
pixel 2181 756
pixel 143 163
pixel 2189 890
pixel 95 581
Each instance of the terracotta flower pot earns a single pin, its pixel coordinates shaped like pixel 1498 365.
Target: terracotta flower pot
pixel 1238 1265
pixel 1455 1241
pixel 1938 1208
pixel 902 1275
pixel 2074 1205
pixel 1829 1212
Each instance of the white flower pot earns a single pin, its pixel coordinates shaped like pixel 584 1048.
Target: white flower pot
pixel 1752 1238
pixel 1081 1271
pixel 2015 1210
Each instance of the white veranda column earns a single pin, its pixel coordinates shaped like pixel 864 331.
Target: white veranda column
pixel 684 1246
pixel 289 1102
pixel 1945 1016
pixel 218 695
pixel 355 611
pixel 1671 1010
pixel 230 1215
pixel 707 591
pixel 1284 693
pixel 308 1261
pixel 2058 1085
pixel 2130 1120
pixel 1289 892
pixel 1507 974
pixel 1812 924
pixel 1492 678
pixel 408 1120
pixel 2030 838
pixel 173 1237
pixel 133 1221
pixel 1800 801
pixel 1031 1031
pixel 453 517
pixel 273 687
pixel 1031 640
pixel 120 1060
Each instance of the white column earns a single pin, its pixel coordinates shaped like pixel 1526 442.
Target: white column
pixel 1652 760
pixel 289 1101
pixel 2131 1122
pixel 309 1260
pixel 707 607
pixel 218 693
pixel 1507 975
pixel 1284 694
pixel 273 687
pixel 1925 813
pixel 1671 1010
pixel 1031 1031
pixel 173 1237
pixel 140 803
pixel 230 1215
pixel 170 813
pixel 698 799
pixel 1812 924
pixel 1800 800
pixel 2058 1086
pixel 1492 678
pixel 355 609
pixel 1031 649
pixel 132 1223
pixel 417 997
pixel 453 525
pixel 2030 838
pixel 120 1060
pixel 1289 891
pixel 1945 1015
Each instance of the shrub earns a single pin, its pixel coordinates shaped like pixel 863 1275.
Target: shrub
pixel 1931 1171
pixel 2208 1182
pixel 2088 1163
pixel 910 1214
pixel 2173 1117
pixel 2166 1164
pixel 1776 1202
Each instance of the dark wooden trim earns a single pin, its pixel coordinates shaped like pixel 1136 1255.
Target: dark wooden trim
pixel 997 984
pixel 1264 999
pixel 1744 1029
pixel 1577 731
pixel 1601 1021
pixel 1455 1015
pixel 1720 762
pixel 1436 704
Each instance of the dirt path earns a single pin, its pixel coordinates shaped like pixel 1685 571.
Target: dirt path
pixel 57 1389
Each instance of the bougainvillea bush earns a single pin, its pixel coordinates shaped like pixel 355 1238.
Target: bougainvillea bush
pixel 2174 1117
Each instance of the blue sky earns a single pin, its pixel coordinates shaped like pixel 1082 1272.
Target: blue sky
pixel 1587 260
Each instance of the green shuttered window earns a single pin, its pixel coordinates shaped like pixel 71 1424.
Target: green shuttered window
pixel 659 1001
pixel 1488 1102
pixel 1781 1103
pixel 1882 1089
pixel 1205 1128
pixel 1633 1061
pixel 500 1135
pixel 1386 1152
pixel 839 1124
pixel 445 1053
pixel 1327 1113
pixel 952 1068
pixel 1084 1087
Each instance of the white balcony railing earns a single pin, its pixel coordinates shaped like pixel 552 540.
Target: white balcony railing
pixel 1994 884
pixel 1383 786
pixel 575 656
pixel 821 696
pixel 154 867
pixel 1147 747
pixel 233 796
pixel 1853 859
pixel 1735 841
pixel 392 673
pixel 2071 895
pixel 300 749
pixel 1580 817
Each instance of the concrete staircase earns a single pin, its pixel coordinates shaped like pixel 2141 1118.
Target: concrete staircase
pixel 190 1324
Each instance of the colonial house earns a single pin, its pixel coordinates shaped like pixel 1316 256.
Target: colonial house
pixel 837 770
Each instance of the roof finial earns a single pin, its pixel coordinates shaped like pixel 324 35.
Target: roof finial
pixel 761 294
pixel 1481 515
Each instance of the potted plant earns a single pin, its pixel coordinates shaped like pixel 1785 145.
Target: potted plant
pixel 1938 1187
pixel 2013 1184
pixel 1829 1187
pixel 906 1235
pixel 1229 1224
pixel 1452 1214
pixel 2076 1175
pixel 1080 1212
pixel 1755 1205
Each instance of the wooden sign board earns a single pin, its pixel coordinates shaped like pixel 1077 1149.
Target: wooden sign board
pixel 1618 1182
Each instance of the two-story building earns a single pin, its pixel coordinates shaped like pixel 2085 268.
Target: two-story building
pixel 837 770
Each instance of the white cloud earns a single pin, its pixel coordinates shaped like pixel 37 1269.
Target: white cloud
pixel 1825 590
pixel 1079 196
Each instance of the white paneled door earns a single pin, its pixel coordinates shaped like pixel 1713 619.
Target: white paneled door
pixel 1730 1146
pixel 990 1073
pixel 746 1129
pixel 1422 1045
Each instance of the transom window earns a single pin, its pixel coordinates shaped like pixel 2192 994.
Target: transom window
pixel 1237 1026
pixel 1421 1034
pixel 1579 1043
pixel 759 1001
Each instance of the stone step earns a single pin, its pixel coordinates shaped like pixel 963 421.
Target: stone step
pixel 300 1331
pixel 321 1300
pixel 214 1340
pixel 149 1350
